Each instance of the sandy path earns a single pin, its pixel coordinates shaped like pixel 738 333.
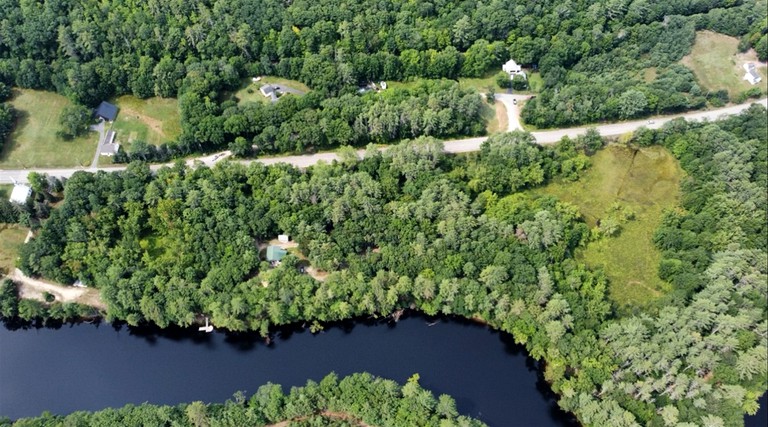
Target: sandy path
pixel 327 414
pixel 33 289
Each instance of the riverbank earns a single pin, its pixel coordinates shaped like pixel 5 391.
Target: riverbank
pixel 36 289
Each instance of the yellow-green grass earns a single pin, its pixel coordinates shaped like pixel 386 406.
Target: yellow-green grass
pixel 646 181
pixel 482 84
pixel 11 239
pixel 496 117
pixel 153 120
pixel 718 65
pixel 33 142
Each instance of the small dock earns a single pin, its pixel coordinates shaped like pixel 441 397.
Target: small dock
pixel 207 328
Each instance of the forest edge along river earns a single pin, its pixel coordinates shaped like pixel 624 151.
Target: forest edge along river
pixel 90 367
pixel 94 366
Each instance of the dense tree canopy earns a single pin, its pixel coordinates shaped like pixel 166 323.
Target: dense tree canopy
pixel 415 227
pixel 333 401
pixel 591 55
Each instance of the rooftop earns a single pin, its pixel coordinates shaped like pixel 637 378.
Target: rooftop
pixel 275 253
pixel 106 111
pixel 20 194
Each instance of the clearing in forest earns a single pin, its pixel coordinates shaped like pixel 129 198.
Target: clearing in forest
pixel 717 63
pixel 249 91
pixel 152 120
pixel 645 181
pixel 11 239
pixel 33 142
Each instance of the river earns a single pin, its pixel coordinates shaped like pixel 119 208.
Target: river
pixel 90 367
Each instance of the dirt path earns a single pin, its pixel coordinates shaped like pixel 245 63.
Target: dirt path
pixel 327 414
pixel 33 289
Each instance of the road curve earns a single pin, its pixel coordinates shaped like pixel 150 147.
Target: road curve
pixel 452 146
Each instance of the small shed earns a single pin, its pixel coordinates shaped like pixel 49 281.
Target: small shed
pixel 275 253
pixel 20 194
pixel 283 238
pixel 106 111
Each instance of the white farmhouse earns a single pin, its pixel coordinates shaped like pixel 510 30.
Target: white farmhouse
pixel 513 69
pixel 751 74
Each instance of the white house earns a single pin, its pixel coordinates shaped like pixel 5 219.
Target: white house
pixel 20 194
pixel 513 69
pixel 269 91
pixel 109 147
pixel 751 74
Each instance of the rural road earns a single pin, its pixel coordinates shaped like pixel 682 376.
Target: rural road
pixel 453 146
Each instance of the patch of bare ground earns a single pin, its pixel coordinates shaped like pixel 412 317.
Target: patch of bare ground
pixel 35 289
pixel 326 414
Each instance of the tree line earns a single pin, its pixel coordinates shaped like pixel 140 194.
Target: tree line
pixel 590 53
pixel 333 401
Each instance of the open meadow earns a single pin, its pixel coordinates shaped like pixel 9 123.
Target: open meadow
pixel 645 181
pixel 153 120
pixel 34 142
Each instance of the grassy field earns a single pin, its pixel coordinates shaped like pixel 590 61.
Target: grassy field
pixel 496 116
pixel 243 95
pixel 717 64
pixel 646 181
pixel 34 143
pixel 153 120
pixel 481 85
pixel 11 239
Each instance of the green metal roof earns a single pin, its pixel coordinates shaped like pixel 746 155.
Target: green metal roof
pixel 275 253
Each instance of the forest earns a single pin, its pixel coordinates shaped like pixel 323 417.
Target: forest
pixel 334 401
pixel 590 53
pixel 414 227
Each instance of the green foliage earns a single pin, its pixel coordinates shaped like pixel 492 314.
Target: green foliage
pixel 74 121
pixel 350 401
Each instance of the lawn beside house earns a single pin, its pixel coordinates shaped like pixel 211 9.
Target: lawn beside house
pixel 12 237
pixel 153 120
pixel 33 142
pixel 718 65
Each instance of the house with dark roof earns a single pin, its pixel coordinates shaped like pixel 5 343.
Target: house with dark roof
pixel 106 111
pixel 269 91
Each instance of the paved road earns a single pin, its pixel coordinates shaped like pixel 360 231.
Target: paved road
pixel 512 104
pixel 454 146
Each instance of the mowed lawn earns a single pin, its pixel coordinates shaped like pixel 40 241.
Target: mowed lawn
pixel 717 63
pixel 11 239
pixel 153 120
pixel 647 181
pixel 33 142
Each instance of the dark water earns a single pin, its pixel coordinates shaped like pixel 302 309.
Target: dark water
pixel 87 367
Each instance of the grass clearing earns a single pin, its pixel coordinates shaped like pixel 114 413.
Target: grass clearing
pixel 33 142
pixel 646 181
pixel 496 116
pixel 11 239
pixel 717 63
pixel 153 120
pixel 249 90
pixel 482 84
